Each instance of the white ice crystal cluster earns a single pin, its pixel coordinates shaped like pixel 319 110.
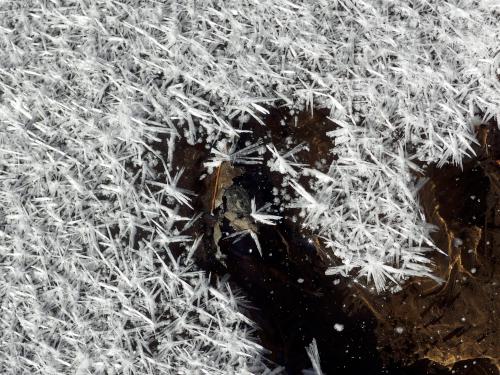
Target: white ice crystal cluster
pixel 366 211
pixel 86 86
pixel 88 283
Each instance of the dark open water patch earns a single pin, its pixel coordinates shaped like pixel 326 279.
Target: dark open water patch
pixel 294 301
pixel 290 298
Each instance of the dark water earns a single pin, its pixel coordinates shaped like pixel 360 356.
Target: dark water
pixel 291 300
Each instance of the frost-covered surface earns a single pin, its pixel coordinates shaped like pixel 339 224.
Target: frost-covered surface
pixel 87 281
pixel 366 211
pixel 86 85
pixel 80 292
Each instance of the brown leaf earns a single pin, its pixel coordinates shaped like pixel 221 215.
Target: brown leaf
pixel 223 180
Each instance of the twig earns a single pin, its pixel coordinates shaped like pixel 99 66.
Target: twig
pixel 216 188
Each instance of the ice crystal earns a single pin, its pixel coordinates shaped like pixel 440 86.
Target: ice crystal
pixel 313 354
pixel 281 163
pixel 225 153
pixel 260 216
pixel 88 209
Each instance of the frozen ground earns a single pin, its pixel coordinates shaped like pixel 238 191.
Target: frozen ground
pixel 88 213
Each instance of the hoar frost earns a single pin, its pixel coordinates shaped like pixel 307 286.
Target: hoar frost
pixel 86 87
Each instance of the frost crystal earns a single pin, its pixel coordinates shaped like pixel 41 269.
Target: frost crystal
pixel 232 155
pixel 281 163
pixel 259 216
pixel 88 209
pixel 313 353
